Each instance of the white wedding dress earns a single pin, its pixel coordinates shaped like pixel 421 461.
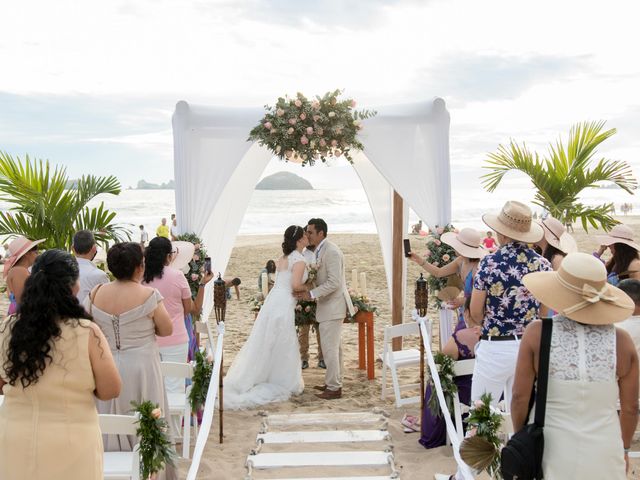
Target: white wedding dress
pixel 268 367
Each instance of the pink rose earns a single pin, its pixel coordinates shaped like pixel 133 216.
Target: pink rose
pixel 156 413
pixel 288 153
pixel 472 432
pixel 196 258
pixel 439 230
pixel 309 130
pixel 332 114
pixel 303 116
pixel 307 309
pixel 197 246
pixel 194 277
pixel 446 257
pixel 290 131
pixel 353 104
pixel 304 140
pixel 292 121
pixel 478 404
pixel 427 253
pixel 298 103
pixel 319 131
pixel 323 142
pixel 437 242
pixel 316 118
pixel 280 112
pixel 334 143
pixel 315 105
pixel 299 308
pixel 268 125
pixel 210 358
pixel 337 153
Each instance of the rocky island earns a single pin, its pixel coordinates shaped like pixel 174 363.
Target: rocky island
pixel 283 181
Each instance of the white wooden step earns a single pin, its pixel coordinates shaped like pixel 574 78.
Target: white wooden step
pixel 324 418
pixel 263 461
pixel 384 477
pixel 327 436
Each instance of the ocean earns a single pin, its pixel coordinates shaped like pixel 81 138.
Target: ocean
pixel 345 210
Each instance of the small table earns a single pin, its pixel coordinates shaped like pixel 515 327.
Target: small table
pixel 366 349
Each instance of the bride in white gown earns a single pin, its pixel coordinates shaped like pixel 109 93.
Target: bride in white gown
pixel 268 367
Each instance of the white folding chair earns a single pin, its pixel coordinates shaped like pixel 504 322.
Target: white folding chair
pixel 120 465
pixel 179 405
pixel 402 358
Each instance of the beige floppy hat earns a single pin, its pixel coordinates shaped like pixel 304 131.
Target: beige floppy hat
pixel 557 236
pixel 514 221
pixel 620 233
pixel 579 291
pixel 184 254
pixel 467 242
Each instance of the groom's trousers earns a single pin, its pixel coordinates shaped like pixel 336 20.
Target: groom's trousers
pixel 330 335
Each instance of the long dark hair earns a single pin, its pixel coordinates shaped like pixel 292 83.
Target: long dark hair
pixel 550 251
pixel 291 236
pixel 46 301
pixel 623 256
pixel 155 257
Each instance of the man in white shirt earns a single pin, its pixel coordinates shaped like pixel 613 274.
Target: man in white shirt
pixel 631 287
pixel 84 248
pixel 144 237
pixel 174 228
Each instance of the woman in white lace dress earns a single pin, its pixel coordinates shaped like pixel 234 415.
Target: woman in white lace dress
pixel 268 367
pixel 591 365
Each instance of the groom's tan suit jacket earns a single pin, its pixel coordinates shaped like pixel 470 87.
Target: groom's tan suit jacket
pixel 331 294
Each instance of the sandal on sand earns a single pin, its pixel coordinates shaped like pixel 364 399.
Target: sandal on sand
pixel 411 423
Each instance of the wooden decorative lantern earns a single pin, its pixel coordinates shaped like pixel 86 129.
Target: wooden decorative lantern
pixel 220 308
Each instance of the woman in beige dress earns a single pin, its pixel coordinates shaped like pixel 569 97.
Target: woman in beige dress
pixel 48 420
pixel 591 366
pixel 130 315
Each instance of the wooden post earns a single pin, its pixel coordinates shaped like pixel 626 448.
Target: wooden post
pixel 397 300
pixel 220 398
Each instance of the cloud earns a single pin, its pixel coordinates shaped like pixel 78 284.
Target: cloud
pixel 469 77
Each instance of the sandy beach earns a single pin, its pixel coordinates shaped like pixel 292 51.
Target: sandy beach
pixel 362 252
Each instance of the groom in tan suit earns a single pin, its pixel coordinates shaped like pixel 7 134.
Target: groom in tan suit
pixel 333 302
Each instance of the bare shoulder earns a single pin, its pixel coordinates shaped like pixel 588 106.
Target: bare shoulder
pixel 623 340
pixel 533 332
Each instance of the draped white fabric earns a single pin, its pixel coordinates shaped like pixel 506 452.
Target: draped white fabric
pixel 216 170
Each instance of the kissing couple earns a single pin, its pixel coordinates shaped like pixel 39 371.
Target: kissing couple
pixel 268 367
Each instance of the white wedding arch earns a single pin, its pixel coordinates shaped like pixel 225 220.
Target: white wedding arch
pixel 406 149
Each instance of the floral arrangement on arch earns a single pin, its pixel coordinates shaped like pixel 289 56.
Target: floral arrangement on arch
pixel 482 446
pixel 445 364
pixel 302 130
pixel 438 254
pixel 155 447
pixel 196 265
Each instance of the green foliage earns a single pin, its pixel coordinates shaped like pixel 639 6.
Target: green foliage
pixel 305 313
pixel 43 207
pixel 155 448
pixel 485 422
pixel 449 388
pixel 300 130
pixel 564 173
pixel 200 380
pixel 438 254
pixel 196 265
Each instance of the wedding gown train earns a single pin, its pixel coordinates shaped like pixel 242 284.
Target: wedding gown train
pixel 268 367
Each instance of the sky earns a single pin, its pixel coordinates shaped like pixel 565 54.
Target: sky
pixel 92 84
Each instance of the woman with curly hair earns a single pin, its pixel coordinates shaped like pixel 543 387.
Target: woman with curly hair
pixel 54 362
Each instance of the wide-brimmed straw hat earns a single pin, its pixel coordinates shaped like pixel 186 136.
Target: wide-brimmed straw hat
pixel 556 235
pixel 183 254
pixel 514 221
pixel 467 242
pixel 618 234
pixel 579 291
pixel 17 249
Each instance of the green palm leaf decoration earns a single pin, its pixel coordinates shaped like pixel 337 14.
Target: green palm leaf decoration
pixel 43 206
pixel 564 173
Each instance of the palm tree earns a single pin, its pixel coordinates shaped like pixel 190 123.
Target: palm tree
pixel 43 205
pixel 564 173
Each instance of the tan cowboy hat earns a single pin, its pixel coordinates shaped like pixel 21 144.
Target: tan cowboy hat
pixel 579 291
pixel 620 233
pixel 514 221
pixel 17 249
pixel 467 242
pixel 183 254
pixel 557 236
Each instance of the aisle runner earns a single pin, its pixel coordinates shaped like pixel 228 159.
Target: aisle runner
pixel 209 406
pixel 451 430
